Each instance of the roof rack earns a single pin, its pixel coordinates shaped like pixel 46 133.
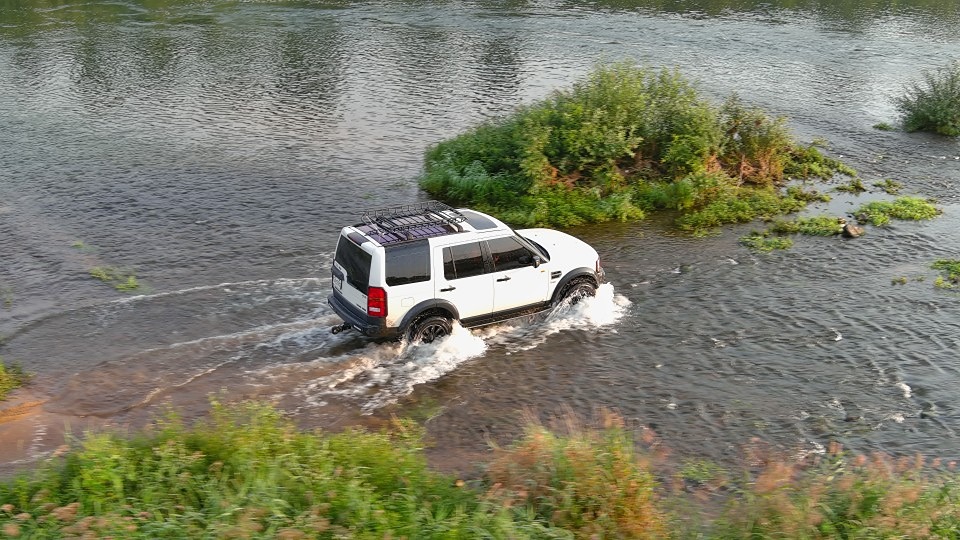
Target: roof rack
pixel 408 222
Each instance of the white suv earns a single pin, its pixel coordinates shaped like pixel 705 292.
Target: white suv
pixel 410 271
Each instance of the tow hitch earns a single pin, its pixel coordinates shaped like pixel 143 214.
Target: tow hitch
pixel 340 328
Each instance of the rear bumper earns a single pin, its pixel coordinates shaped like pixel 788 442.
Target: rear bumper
pixel 363 323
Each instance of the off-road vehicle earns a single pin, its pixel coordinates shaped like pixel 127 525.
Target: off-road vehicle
pixel 412 270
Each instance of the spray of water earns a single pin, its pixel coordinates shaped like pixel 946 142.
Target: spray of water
pixel 380 374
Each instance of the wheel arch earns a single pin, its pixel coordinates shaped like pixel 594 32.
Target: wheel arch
pixel 582 272
pixel 426 308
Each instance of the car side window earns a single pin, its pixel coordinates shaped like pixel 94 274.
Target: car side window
pixel 507 253
pixel 408 263
pixel 462 261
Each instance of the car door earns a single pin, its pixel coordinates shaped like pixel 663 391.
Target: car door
pixel 516 282
pixel 463 280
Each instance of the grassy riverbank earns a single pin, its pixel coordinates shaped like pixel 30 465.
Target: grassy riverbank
pixel 624 142
pixel 248 473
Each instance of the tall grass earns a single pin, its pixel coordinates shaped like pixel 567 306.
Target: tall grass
pixel 933 103
pixel 249 473
pixel 846 497
pixel 622 142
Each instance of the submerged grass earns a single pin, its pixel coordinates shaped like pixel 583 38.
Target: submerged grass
pixel 249 473
pixel 775 236
pixel 121 280
pixel 12 377
pixel 949 273
pixel 624 142
pixel 765 243
pixel 810 226
pixel 879 213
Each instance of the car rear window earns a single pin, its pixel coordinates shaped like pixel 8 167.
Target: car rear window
pixel 356 263
pixel 408 263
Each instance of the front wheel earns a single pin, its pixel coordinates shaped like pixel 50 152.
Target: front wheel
pixel 429 328
pixel 577 290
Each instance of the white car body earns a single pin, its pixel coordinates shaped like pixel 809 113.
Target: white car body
pixel 404 265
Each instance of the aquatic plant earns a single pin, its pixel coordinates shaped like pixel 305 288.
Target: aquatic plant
pixel 129 284
pixel 855 186
pixel 103 273
pixel 950 272
pixel 810 226
pixel 739 205
pixel 883 126
pixel 764 242
pixel 122 280
pixel 6 294
pixel 12 377
pixel 622 142
pixel 890 186
pixel 880 213
pixel 933 103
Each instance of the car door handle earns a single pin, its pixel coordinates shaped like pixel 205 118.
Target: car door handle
pixel 448 289
pixel 504 278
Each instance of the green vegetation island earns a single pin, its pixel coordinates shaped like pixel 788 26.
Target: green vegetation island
pixel 628 140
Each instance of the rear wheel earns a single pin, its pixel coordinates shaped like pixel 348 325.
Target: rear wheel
pixel 577 290
pixel 429 328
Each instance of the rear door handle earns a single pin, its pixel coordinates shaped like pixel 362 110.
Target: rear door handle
pixel 504 278
pixel 448 289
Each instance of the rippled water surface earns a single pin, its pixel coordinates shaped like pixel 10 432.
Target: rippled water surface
pixel 215 149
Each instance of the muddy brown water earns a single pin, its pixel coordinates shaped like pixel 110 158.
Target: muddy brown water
pixel 215 149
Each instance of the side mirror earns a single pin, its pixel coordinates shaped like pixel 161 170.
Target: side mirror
pixel 537 261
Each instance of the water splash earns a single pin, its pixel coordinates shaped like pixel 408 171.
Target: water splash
pixel 380 374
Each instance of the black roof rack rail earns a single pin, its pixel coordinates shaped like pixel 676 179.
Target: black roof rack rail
pixel 416 221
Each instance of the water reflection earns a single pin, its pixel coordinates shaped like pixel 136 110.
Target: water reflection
pixel 226 143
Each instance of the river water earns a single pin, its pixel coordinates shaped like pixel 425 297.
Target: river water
pixel 214 149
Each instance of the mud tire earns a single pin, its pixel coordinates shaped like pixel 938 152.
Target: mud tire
pixel 577 290
pixel 429 328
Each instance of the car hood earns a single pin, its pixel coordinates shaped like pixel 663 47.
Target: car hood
pixel 566 251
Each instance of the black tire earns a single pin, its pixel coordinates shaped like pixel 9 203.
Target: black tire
pixel 430 328
pixel 577 290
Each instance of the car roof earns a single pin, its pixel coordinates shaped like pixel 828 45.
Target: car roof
pixel 412 222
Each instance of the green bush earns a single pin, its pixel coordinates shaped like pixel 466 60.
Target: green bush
pixel 621 142
pixel 933 104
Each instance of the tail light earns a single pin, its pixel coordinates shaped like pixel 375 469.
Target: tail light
pixel 376 302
